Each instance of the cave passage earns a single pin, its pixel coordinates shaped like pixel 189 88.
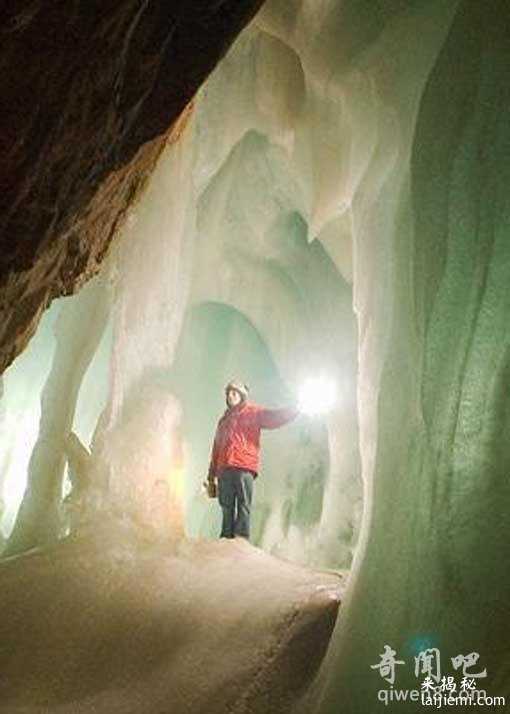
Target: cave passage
pixel 333 203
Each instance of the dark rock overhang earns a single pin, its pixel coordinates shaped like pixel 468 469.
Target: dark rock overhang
pixel 91 92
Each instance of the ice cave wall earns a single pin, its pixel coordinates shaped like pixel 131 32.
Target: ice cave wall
pixel 388 139
pixel 432 570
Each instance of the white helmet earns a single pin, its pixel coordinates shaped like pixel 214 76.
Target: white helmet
pixel 239 386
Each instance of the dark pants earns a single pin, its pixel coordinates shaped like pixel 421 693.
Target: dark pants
pixel 235 490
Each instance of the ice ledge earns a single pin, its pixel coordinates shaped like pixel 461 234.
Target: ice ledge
pixel 202 626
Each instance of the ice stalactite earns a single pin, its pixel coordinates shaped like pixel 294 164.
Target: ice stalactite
pixel 130 466
pixel 79 467
pixel 78 331
pixel 137 449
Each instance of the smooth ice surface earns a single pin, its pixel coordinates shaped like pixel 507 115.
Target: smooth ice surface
pixel 430 290
pixel 132 628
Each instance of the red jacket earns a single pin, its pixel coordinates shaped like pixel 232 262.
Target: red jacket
pixel 237 439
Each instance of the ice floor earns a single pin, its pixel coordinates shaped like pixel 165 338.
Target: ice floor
pixel 212 626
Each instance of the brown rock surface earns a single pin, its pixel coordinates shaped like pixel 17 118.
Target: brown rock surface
pixel 90 93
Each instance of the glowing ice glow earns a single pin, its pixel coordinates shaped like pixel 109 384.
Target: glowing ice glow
pixel 317 395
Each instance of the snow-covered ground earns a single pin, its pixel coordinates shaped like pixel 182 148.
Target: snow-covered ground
pixel 132 627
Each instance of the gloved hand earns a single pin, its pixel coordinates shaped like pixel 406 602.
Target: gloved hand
pixel 211 486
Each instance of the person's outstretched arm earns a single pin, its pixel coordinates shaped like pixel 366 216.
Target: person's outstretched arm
pixel 273 418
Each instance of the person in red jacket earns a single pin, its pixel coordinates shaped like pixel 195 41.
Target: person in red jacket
pixel 235 455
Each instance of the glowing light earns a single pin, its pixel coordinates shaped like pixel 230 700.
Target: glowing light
pixel 176 482
pixel 317 395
